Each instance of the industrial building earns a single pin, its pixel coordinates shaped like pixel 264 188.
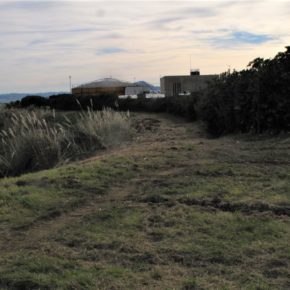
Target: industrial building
pixel 107 86
pixel 186 84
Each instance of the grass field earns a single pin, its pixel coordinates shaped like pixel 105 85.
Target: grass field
pixel 171 209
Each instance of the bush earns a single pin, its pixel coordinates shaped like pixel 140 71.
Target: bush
pixel 183 106
pixel 29 142
pixel 71 102
pixel 36 101
pixel 63 102
pixel 252 100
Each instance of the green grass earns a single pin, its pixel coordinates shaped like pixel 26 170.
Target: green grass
pixel 31 197
pixel 122 222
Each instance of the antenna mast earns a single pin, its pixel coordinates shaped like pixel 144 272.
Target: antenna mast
pixel 69 83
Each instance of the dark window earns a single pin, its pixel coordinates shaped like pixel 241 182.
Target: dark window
pixel 176 88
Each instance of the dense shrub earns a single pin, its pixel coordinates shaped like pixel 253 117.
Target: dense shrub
pixel 63 102
pixel 71 102
pixel 183 106
pixel 36 101
pixel 252 100
pixel 180 105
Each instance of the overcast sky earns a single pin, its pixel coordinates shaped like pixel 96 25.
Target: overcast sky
pixel 43 42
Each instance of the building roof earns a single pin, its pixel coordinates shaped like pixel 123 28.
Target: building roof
pixel 191 76
pixel 106 83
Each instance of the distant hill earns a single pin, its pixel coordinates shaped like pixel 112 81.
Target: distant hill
pixel 150 86
pixel 6 98
pixel 10 97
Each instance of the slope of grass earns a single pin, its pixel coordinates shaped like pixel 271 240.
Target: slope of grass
pixel 172 211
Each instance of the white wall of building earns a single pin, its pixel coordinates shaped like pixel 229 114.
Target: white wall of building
pixel 135 90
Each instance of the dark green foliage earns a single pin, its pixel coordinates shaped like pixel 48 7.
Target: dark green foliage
pixel 183 106
pixel 255 100
pixel 63 102
pixel 71 102
pixel 36 101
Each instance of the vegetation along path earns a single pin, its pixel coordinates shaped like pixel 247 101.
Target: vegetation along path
pixel 171 209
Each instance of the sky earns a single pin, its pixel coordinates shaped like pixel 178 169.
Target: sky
pixel 42 43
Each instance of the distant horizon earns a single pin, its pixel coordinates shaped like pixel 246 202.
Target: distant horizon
pixel 61 91
pixel 45 42
pixel 20 93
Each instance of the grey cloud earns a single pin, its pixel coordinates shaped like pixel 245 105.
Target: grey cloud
pixel 162 21
pixel 51 31
pixel 234 39
pixel 100 13
pixel 109 50
pixel 181 14
pixel 198 11
pixel 111 36
pixel 32 5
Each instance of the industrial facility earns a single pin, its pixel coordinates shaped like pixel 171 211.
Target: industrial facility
pixel 186 84
pixel 107 86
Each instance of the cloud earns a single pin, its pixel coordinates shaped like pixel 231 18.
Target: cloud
pixel 31 5
pixel 179 15
pixel 109 50
pixel 36 42
pixel 198 11
pixel 247 37
pixel 52 31
pixel 42 42
pixel 166 20
pixel 238 38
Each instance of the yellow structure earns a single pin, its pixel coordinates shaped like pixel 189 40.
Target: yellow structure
pixel 102 86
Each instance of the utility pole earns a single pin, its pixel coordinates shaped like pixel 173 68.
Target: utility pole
pixel 69 83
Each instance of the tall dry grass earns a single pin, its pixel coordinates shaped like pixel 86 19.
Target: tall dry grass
pixel 107 126
pixel 34 140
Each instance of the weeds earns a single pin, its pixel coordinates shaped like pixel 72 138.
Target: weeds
pixel 34 140
pixel 107 127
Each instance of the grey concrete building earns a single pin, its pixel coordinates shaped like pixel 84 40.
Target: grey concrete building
pixel 177 85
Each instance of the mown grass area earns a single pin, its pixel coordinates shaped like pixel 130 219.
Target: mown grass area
pixel 172 211
pixel 32 197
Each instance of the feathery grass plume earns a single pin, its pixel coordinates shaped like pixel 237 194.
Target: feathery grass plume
pixel 34 140
pixel 30 143
pixel 108 127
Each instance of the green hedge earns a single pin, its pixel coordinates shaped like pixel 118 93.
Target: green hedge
pixel 255 100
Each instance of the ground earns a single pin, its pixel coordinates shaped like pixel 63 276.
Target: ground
pixel 171 209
